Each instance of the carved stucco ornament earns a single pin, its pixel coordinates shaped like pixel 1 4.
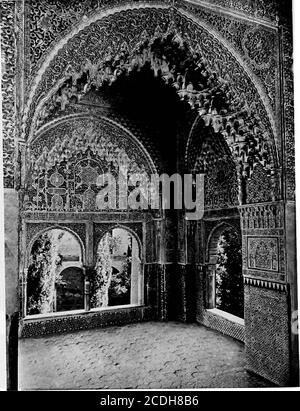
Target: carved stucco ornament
pixel 201 74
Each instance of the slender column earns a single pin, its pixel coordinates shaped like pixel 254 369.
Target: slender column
pixel 211 287
pixel 87 291
pixel 200 291
pixel 135 291
pixel 159 241
pixel 24 292
pixel 89 244
pixel 55 300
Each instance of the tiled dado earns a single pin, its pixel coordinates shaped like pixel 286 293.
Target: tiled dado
pixel 65 322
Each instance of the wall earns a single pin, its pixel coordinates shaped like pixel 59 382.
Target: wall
pixel 11 225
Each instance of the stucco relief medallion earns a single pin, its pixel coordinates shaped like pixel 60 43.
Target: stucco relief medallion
pixel 263 253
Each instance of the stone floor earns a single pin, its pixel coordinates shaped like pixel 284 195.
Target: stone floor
pixel 146 355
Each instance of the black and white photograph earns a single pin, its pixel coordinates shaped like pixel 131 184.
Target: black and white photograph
pixel 148 197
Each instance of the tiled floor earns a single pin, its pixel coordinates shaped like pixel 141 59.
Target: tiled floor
pixel 146 355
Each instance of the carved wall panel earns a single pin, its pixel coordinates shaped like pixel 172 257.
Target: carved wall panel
pixel 259 187
pixel 63 173
pixel 263 253
pixel 8 55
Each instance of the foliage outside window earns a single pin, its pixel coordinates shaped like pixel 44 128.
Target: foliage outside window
pixel 51 253
pixel 111 286
pixel 55 279
pixel 229 279
pixel 43 274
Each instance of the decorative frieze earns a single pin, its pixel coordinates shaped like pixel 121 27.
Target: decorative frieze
pixel 267 216
pixel 265 284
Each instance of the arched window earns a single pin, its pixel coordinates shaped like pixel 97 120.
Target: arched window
pixel 229 278
pixel 118 271
pixel 225 288
pixel 54 276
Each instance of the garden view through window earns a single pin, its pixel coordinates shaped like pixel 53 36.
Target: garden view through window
pixel 229 278
pixel 56 279
pixel 117 278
